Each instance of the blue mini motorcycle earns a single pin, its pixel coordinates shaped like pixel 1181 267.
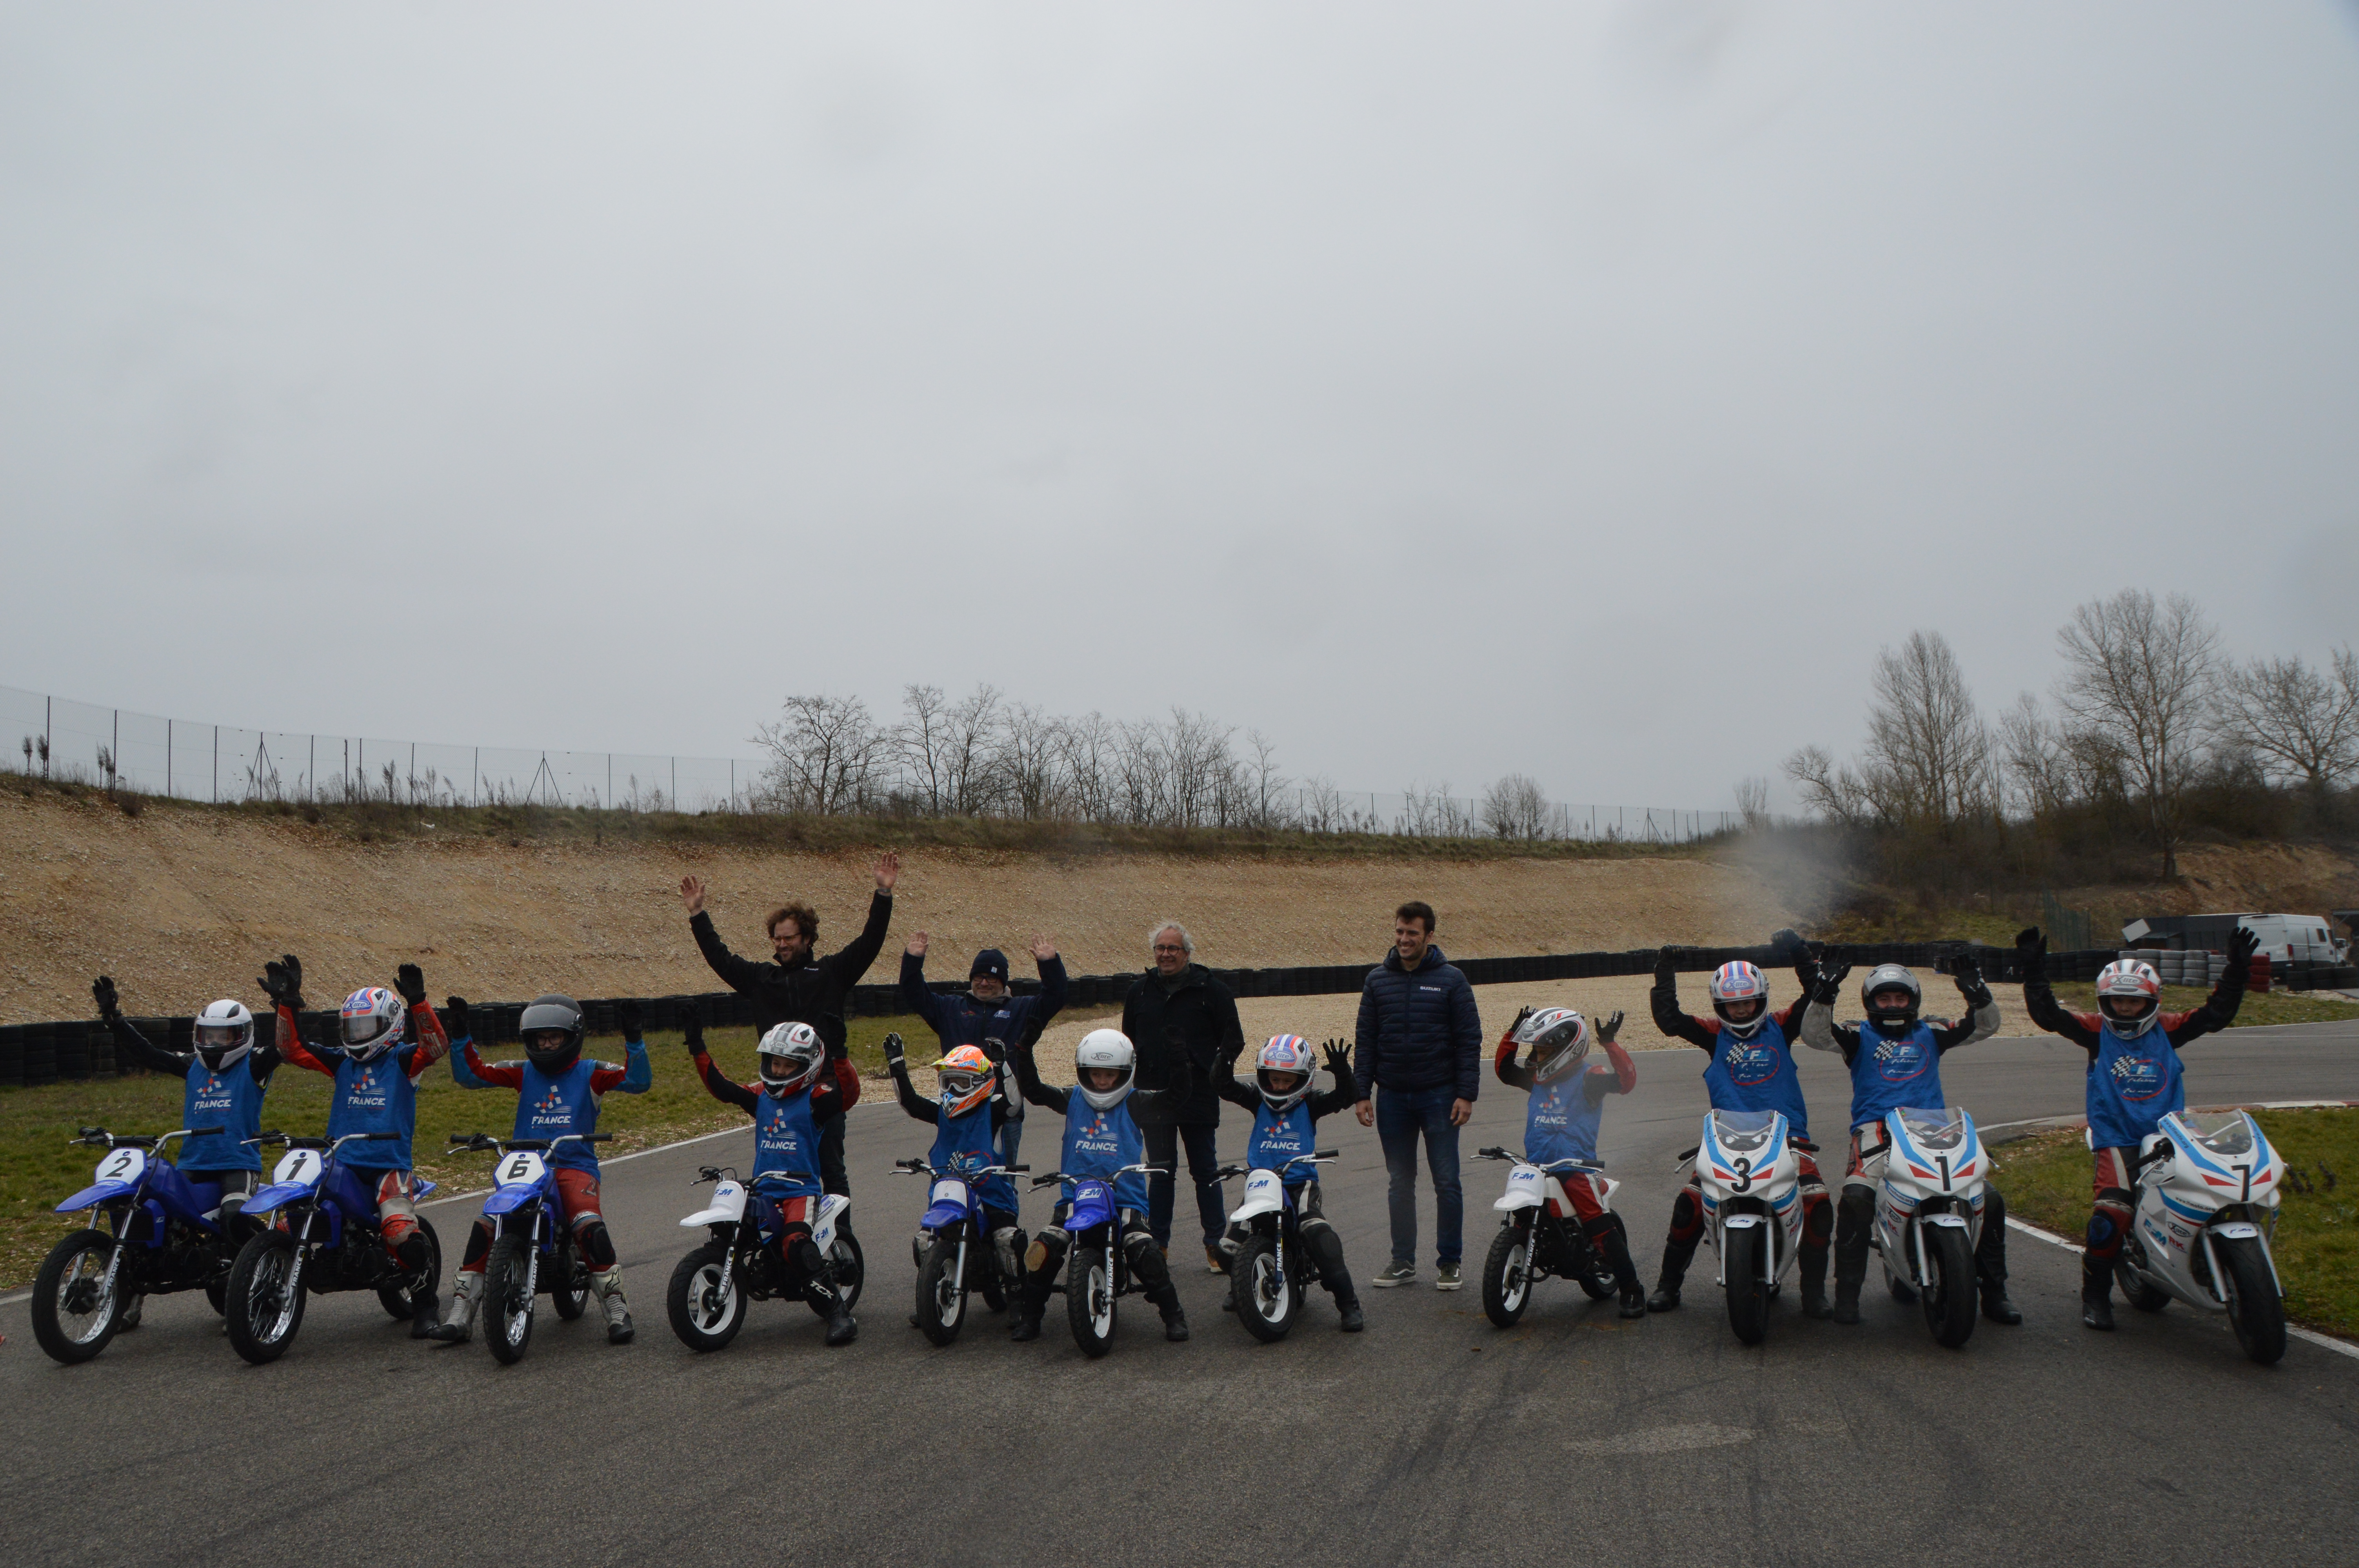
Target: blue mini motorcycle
pixel 166 1237
pixel 532 1246
pixel 325 1239
pixel 953 1245
pixel 1097 1268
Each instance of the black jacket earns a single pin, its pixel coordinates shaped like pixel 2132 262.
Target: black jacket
pixel 812 991
pixel 1417 1031
pixel 1179 1035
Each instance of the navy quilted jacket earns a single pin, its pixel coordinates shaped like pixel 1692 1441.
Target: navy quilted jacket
pixel 1417 1031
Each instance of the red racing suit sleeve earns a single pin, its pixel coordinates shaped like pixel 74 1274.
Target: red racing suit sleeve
pixel 291 1047
pixel 505 1075
pixel 431 1047
pixel 721 1088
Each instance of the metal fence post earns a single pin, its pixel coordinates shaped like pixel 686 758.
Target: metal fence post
pixel 216 795
pixel 167 756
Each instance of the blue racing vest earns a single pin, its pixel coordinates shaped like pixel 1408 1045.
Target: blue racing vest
pixel 1562 1122
pixel 1276 1139
pixel 1099 1143
pixel 1895 1073
pixel 785 1138
pixel 1757 1075
pixel 374 1098
pixel 965 1142
pixel 550 1106
pixel 230 1100
pixel 2132 1083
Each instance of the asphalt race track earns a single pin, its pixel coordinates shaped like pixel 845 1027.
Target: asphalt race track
pixel 1430 1438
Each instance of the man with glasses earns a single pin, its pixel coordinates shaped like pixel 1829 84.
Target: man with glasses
pixel 1182 1022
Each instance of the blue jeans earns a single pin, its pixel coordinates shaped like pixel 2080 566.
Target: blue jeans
pixel 1163 1146
pixel 1401 1115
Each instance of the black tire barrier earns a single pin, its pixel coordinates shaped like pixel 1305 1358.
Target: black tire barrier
pixel 12 1058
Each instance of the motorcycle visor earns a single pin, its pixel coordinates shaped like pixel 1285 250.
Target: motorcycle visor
pixel 547 1041
pixel 222 1036
pixel 958 1083
pixel 363 1029
pixel 2126 1008
pixel 1279 1084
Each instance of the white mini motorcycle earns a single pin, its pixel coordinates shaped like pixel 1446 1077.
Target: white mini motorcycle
pixel 710 1288
pixel 1751 1182
pixel 1534 1243
pixel 1929 1214
pixel 2207 1203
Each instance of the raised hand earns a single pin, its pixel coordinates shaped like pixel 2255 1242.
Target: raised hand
pixel 1829 983
pixel 2032 946
pixel 692 1028
pixel 893 1050
pixel 1968 976
pixel 1610 1028
pixel 1043 947
pixel 410 981
pixel 626 1015
pixel 457 1022
pixel 919 942
pixel 2242 946
pixel 1520 1018
pixel 691 894
pixel 282 981
pixel 1666 965
pixel 1339 1060
pixel 102 991
pixel 888 870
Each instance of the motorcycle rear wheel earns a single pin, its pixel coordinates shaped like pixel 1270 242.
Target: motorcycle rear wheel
pixel 704 1314
pixel 1508 1276
pixel 1748 1292
pixel 399 1299
pixel 2253 1308
pixel 569 1291
pixel 1949 1302
pixel 264 1311
pixel 942 1295
pixel 1268 1301
pixel 2137 1291
pixel 850 1266
pixel 71 1278
pixel 1089 1299
pixel 508 1298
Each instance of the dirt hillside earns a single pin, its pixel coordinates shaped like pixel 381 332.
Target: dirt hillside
pixel 182 906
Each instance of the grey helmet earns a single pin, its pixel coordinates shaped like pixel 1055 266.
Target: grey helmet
pixel 790 1055
pixel 1887 977
pixel 553 1013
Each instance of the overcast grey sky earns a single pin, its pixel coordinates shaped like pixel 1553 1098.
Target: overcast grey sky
pixel 1589 390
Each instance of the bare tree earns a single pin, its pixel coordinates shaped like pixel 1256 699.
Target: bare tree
pixel 824 753
pixel 1515 806
pixel 1832 791
pixel 970 752
pixel 2301 722
pixel 2141 676
pixel 920 742
pixel 1752 801
pixel 1142 774
pixel 1087 748
pixel 1203 771
pixel 1031 753
pixel 1268 784
pixel 1428 811
pixel 1322 804
pixel 1929 752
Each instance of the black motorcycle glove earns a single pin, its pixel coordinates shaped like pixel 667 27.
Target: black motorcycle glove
pixel 894 1052
pixel 410 981
pixel 1607 1030
pixel 1971 986
pixel 1339 1060
pixel 1666 959
pixel 626 1015
pixel 2242 947
pixel 1829 983
pixel 691 1029
pixel 282 981
pixel 1520 1020
pixel 2032 948
pixel 456 1021
pixel 102 991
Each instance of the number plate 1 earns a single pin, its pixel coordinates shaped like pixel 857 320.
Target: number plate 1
pixel 302 1165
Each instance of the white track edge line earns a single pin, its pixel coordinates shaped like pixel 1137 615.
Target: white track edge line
pixel 2325 1341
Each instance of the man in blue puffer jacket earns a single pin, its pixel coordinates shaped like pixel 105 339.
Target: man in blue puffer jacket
pixel 1420 1041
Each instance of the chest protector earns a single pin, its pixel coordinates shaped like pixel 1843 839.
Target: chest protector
pixel 374 1096
pixel 1275 1139
pixel 230 1100
pixel 1562 1122
pixel 1757 1075
pixel 785 1138
pixel 2131 1083
pixel 551 1104
pixel 1894 1072
pixel 1099 1143
pixel 967 1140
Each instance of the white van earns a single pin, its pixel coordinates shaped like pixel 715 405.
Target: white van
pixel 2294 938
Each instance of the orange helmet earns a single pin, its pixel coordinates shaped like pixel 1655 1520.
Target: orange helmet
pixel 966 1078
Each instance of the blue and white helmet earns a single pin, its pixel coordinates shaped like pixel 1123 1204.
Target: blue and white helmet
pixel 372 1021
pixel 1106 1048
pixel 1284 1053
pixel 1740 981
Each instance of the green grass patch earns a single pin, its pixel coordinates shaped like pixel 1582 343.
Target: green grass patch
pixel 38 1169
pixel 2046 1180
pixel 2259 1007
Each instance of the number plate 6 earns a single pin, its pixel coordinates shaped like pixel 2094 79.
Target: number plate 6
pixel 521 1169
pixel 301 1165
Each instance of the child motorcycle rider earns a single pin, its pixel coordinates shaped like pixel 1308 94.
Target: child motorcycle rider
pixel 1100 1137
pixel 1751 1068
pixel 1895 1059
pixel 1285 1116
pixel 376 1070
pixel 558 1094
pixel 227 1075
pixel 2133 1080
pixel 802 1090
pixel 1561 1123
pixel 989 1016
pixel 968 1115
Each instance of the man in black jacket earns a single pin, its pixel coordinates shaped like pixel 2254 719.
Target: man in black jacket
pixel 1181 1020
pixel 796 988
pixel 1421 1042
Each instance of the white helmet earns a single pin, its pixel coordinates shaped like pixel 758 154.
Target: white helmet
pixel 1739 982
pixel 1284 1053
pixel 2129 980
pixel 791 1055
pixel 1106 1048
pixel 372 1023
pixel 1559 1038
pixel 223 1034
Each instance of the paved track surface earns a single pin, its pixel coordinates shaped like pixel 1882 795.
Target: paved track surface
pixel 1432 1438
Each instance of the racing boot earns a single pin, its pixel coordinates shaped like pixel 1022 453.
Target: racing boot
pixel 128 1319
pixel 609 1286
pixel 425 1314
pixel 1813 1260
pixel 1347 1304
pixel 1604 1234
pixel 1990 1261
pixel 1850 1272
pixel 1175 1321
pixel 1997 1308
pixel 1676 1255
pixel 466 1297
pixel 2097 1295
pixel 824 1300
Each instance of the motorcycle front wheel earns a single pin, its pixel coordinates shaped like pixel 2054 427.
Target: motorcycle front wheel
pixel 265 1298
pixel 74 1311
pixel 1508 1276
pixel 705 1301
pixel 1748 1292
pixel 1949 1302
pixel 941 1294
pixel 1266 1299
pixel 1089 1299
pixel 2253 1304
pixel 507 1298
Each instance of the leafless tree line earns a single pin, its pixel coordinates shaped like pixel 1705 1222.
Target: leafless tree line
pixel 2146 707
